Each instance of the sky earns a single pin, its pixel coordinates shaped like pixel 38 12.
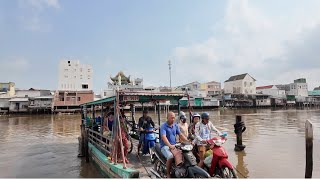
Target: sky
pixel 209 40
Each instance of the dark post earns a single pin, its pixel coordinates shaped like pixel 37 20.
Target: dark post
pixel 309 149
pixel 93 112
pixel 158 104
pixel 239 128
pixel 178 108
pixel 102 119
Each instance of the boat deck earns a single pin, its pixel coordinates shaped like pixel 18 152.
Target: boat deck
pixel 142 163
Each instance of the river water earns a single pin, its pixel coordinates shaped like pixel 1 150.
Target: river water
pixel 46 146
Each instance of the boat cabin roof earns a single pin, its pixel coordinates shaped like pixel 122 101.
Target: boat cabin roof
pixel 130 97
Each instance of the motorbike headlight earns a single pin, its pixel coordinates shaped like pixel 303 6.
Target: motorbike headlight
pixel 187 147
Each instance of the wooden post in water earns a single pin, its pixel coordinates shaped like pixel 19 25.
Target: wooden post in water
pixel 239 128
pixel 309 149
pixel 159 118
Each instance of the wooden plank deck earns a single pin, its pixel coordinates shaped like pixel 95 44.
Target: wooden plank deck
pixel 142 163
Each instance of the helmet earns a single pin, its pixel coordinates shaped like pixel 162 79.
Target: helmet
pixel 205 115
pixel 196 115
pixel 183 117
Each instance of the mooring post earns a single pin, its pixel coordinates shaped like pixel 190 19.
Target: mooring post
pixel 159 118
pixel 309 149
pixel 239 128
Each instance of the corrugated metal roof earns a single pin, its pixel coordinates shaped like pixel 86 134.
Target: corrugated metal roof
pixel 19 100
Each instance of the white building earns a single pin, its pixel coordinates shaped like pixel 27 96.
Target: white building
pixel 74 76
pixel 271 90
pixel 299 88
pixel 194 89
pixel 240 84
pixel 124 83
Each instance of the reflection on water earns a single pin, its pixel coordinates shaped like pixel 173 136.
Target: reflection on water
pixel 46 146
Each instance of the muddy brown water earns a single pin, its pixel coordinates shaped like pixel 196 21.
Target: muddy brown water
pixel 46 146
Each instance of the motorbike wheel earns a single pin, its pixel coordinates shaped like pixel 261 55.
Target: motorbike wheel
pixel 158 168
pixel 130 144
pixel 228 173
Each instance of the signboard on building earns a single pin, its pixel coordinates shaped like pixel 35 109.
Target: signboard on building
pixel 130 98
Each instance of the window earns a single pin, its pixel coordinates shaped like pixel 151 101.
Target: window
pixel 250 83
pixel 80 69
pixel 68 98
pixel 75 77
pixel 61 98
pixel 80 76
pixel 88 70
pixel 65 69
pixel 84 86
pixel 245 84
pixel 88 77
pixel 105 93
pixel 79 99
pixel 66 76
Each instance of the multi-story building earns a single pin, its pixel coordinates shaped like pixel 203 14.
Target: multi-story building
pixel 7 91
pixel 74 76
pixel 74 87
pixel 212 88
pixel 240 84
pixel 194 89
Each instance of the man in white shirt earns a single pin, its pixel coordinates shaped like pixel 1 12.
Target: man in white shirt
pixel 203 131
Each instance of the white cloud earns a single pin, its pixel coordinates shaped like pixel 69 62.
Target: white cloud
pixel 248 40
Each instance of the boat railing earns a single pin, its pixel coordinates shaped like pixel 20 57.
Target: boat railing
pixel 101 142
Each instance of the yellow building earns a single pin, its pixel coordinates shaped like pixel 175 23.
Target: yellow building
pixel 7 89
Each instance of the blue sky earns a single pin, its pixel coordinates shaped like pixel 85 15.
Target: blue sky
pixel 274 41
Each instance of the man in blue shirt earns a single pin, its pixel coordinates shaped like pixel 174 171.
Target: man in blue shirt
pixel 168 132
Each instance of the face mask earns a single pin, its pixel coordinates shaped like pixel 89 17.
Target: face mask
pixel 183 120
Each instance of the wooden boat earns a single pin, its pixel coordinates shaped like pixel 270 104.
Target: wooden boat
pixel 95 146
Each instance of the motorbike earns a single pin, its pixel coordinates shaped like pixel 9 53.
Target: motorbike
pixel 149 140
pixel 187 169
pixel 218 164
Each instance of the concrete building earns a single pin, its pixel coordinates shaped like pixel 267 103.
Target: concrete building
pixel 19 105
pixel 7 89
pixel 194 89
pixel 299 88
pixel 240 84
pixel 212 88
pixel 74 76
pixel 271 90
pixel 67 101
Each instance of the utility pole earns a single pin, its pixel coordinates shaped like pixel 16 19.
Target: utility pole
pixel 170 71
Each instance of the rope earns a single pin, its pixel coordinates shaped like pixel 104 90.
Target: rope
pixel 149 175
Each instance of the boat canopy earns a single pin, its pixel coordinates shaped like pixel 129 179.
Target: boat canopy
pixel 130 97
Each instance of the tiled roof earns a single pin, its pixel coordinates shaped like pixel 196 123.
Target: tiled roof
pixel 238 77
pixel 265 87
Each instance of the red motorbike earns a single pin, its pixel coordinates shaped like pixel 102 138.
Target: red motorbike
pixel 220 165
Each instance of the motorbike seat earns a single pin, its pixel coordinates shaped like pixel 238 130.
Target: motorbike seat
pixel 158 150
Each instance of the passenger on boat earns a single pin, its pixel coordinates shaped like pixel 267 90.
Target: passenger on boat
pixel 203 131
pixel 124 142
pixel 108 123
pixel 145 122
pixel 183 125
pixel 194 121
pixel 168 132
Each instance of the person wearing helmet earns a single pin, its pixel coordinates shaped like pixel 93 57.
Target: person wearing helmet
pixel 183 125
pixel 195 120
pixel 145 122
pixel 203 131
